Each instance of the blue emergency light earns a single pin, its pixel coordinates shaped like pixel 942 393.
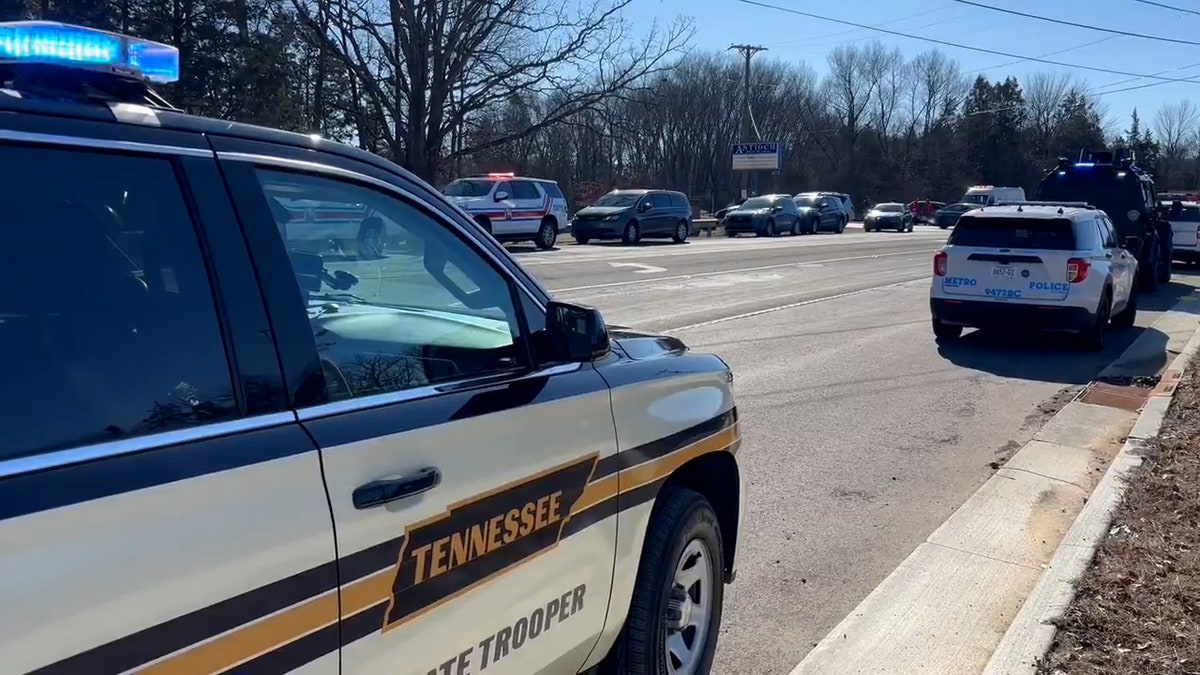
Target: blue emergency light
pixel 67 45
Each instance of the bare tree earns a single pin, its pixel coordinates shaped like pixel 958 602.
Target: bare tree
pixel 412 58
pixel 1177 126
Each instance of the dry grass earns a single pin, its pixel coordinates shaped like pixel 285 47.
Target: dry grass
pixel 1138 606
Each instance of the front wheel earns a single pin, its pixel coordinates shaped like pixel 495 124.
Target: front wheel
pixel 580 239
pixel 631 234
pixel 842 225
pixel 679 593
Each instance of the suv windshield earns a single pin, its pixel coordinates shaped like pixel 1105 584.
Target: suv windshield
pixel 1053 234
pixel 618 199
pixel 975 199
pixel 758 203
pixel 468 188
pixel 808 201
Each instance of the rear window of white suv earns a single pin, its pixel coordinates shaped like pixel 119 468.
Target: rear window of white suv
pixel 1053 234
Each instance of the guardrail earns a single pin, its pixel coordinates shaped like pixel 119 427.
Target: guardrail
pixel 706 226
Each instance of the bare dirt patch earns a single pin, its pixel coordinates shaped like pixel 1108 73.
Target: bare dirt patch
pixel 1137 609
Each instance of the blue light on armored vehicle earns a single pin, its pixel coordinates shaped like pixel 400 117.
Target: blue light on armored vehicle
pixel 63 44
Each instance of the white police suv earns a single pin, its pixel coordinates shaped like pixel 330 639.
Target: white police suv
pixel 1041 265
pixel 513 208
pixel 229 448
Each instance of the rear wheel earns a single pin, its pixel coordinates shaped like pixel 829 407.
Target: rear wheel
pixel 842 225
pixel 675 614
pixel 729 234
pixel 1128 316
pixel 795 231
pixel 681 232
pixel 945 331
pixel 547 234
pixel 1092 338
pixel 580 239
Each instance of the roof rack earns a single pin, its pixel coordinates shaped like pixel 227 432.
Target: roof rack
pixel 1072 205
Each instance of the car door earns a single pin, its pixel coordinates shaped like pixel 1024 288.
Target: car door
pixel 663 213
pixel 829 214
pixel 530 205
pixel 457 464
pixel 1119 260
pixel 160 509
pixel 505 201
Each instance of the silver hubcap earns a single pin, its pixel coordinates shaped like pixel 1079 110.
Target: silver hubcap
pixel 689 609
pixel 681 232
pixel 548 235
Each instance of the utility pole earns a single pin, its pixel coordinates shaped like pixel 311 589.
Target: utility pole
pixel 748 132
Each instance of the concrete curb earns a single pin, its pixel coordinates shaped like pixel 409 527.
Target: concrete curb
pixel 1032 631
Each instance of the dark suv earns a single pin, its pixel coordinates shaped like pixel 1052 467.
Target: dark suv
pixel 633 214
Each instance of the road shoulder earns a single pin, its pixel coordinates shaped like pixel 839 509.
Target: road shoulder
pixel 948 605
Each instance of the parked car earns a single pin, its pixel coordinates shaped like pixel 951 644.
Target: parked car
pixel 888 216
pixel 819 213
pixel 512 208
pixel 631 215
pixel 1184 218
pixel 765 216
pixel 724 211
pixel 947 216
pixel 839 199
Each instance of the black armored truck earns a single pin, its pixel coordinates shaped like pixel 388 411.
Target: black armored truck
pixel 1112 182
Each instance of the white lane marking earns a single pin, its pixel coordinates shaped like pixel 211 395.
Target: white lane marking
pixel 813 263
pixel 639 268
pixel 571 255
pixel 790 305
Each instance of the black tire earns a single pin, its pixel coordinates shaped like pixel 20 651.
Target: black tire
pixel 769 230
pixel 632 233
pixel 681 232
pixel 580 239
pixel 547 234
pixel 945 331
pixel 1128 316
pixel 729 234
pixel 681 517
pixel 370 242
pixel 944 227
pixel 795 231
pixel 866 228
pixel 1092 339
pixel 842 225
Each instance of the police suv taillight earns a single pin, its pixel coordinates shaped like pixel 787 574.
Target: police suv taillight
pixel 939 264
pixel 1077 270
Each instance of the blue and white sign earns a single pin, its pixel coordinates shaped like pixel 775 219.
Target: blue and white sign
pixel 757 156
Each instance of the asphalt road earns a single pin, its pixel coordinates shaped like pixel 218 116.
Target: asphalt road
pixel 861 434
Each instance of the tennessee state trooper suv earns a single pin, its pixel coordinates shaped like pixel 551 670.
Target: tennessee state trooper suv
pixel 229 445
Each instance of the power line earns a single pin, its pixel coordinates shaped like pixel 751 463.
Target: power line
pixel 1177 9
pixel 1041 56
pixel 1073 24
pixel 856 30
pixel 962 46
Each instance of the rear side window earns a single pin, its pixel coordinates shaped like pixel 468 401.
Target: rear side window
pixel 660 200
pixel 679 200
pixel 1054 234
pixel 552 190
pixel 523 189
pixel 108 328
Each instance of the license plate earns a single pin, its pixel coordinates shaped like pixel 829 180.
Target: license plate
pixel 1002 272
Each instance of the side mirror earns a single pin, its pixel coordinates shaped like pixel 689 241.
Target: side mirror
pixel 1132 244
pixel 575 333
pixel 644 206
pixel 501 195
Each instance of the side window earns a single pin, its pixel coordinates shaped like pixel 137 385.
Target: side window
pixel 553 190
pixel 1110 237
pixel 504 187
pixel 523 189
pixel 424 308
pixel 678 201
pixel 661 200
pixel 1089 235
pixel 108 328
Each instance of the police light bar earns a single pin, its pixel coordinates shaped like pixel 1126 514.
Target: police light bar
pixel 63 44
pixel 502 175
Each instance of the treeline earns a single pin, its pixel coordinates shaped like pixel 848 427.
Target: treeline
pixel 447 87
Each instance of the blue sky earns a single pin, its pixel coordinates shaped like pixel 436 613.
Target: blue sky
pixel 718 23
